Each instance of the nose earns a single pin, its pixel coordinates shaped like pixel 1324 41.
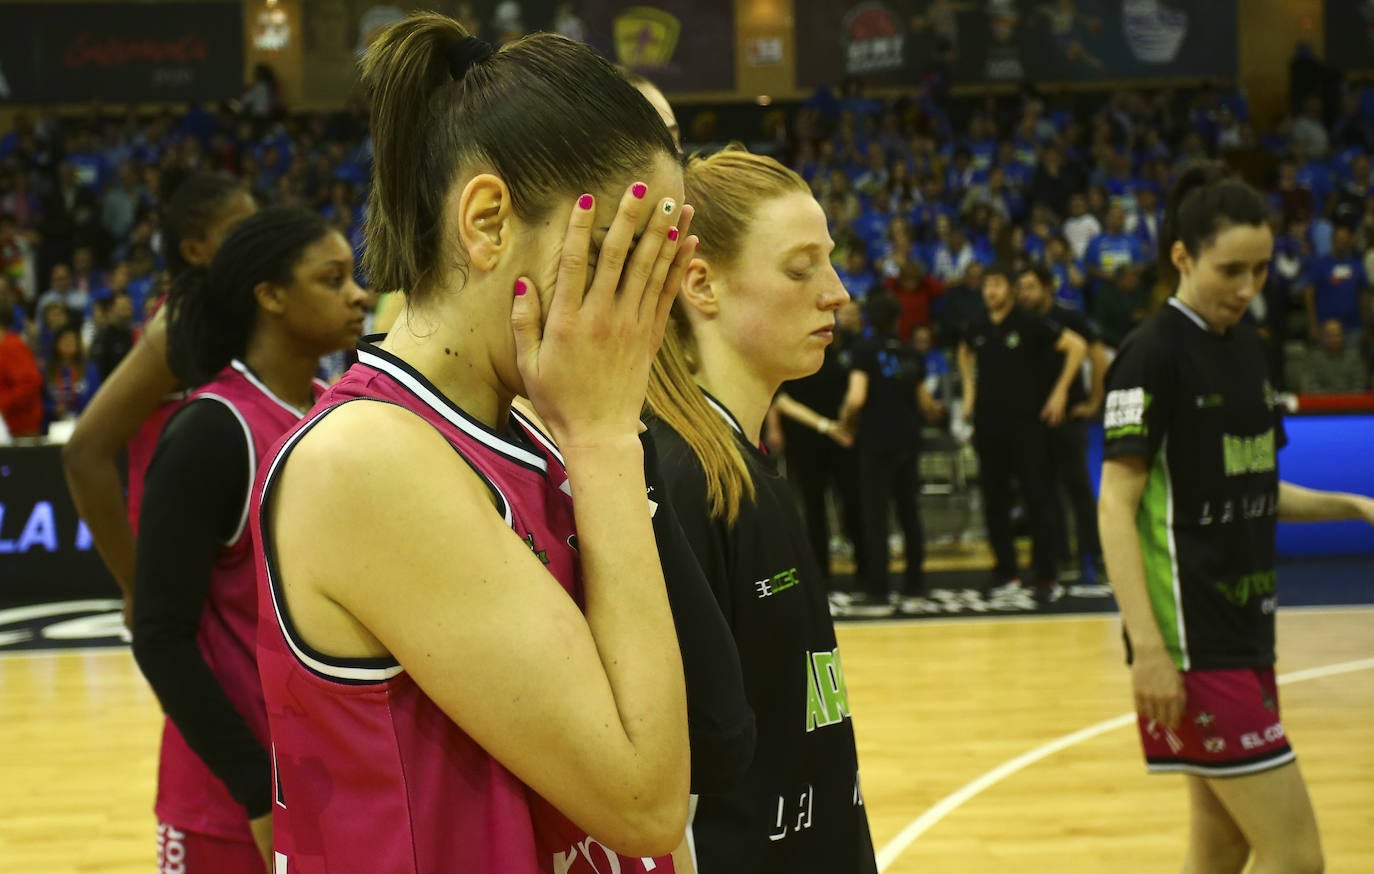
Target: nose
pixel 834 295
pixel 356 296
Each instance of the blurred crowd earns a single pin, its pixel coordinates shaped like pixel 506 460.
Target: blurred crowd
pixel 922 192
pixel 81 256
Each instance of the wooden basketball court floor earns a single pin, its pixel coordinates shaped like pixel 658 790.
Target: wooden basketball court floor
pixel 986 746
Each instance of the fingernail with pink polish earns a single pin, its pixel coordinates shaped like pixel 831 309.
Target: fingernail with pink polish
pixel 585 202
pixel 639 190
pixel 521 287
pixel 672 235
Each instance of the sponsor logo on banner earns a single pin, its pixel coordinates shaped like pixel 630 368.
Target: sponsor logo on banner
pixel 874 39
pixel 646 38
pixel 1154 32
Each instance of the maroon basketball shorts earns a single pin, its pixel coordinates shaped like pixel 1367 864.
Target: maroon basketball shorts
pixel 1230 727
pixel 183 852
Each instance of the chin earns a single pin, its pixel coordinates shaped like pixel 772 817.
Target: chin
pixel 805 365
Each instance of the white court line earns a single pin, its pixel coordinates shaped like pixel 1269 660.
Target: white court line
pixel 964 619
pixel 947 805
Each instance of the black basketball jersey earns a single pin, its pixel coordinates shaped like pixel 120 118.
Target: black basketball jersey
pixel 1198 407
pixel 799 809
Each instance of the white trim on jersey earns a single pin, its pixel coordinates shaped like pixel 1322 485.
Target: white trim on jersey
pixel 1173 555
pixel 1188 311
pixel 262 387
pixel 724 414
pixel 533 431
pixel 445 409
pixel 252 463
pixel 352 673
pixel 691 836
pixel 1222 770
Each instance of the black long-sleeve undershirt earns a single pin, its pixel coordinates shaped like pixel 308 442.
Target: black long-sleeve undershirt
pixel 194 494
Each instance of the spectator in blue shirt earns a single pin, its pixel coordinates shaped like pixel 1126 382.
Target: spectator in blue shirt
pixel 857 276
pixel 1070 282
pixel 953 256
pixel 1112 249
pixel 871 225
pixel 1336 287
pixel 1148 220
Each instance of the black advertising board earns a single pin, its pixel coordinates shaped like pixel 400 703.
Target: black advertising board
pixel 75 52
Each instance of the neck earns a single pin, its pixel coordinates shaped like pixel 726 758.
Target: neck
pixel 283 367
pixel 1188 298
pixel 999 314
pixel 728 377
pixel 452 357
pixel 1046 304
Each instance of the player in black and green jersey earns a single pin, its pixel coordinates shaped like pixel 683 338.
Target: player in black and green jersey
pixel 1190 498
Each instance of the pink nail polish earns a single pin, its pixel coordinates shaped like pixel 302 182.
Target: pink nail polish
pixel 639 190
pixel 520 287
pixel 672 235
pixel 585 202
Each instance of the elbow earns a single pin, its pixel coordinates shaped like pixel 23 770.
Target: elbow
pixel 647 824
pixel 78 455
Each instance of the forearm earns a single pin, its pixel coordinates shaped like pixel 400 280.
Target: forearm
pixel 627 606
pixel 799 412
pixel 1298 504
pixel 1073 363
pixel 96 490
pixel 966 379
pixel 1126 570
pixel 192 697
pixel 1098 390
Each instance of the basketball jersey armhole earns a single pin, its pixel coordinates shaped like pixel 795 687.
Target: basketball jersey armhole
pixel 336 669
pixel 249 445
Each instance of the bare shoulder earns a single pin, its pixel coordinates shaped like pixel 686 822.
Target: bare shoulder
pixel 368 450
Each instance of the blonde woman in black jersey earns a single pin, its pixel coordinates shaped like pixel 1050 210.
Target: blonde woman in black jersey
pixel 757 308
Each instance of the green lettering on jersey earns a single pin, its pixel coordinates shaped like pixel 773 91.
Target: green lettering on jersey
pixel 827 697
pixel 1243 455
pixel 1245 589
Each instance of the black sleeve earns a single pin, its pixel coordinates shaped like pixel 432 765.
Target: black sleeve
pixel 1139 396
pixel 193 501
pixel 865 359
pixel 1079 324
pixel 1044 330
pixel 720 721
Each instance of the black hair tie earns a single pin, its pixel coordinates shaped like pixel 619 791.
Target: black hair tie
pixel 466 52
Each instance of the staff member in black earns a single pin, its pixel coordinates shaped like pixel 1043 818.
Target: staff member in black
pixel 884 406
pixel 1066 444
pixel 1010 399
pixel 804 423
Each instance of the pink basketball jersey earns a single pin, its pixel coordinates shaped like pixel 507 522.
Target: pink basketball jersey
pixel 189 795
pixel 371 775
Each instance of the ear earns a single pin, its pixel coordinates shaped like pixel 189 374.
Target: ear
pixel 195 252
pixel 701 288
pixel 481 214
pixel 1183 262
pixel 270 297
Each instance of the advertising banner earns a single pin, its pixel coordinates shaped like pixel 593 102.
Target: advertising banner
pixel 1350 34
pixel 75 52
pixel 899 41
pixel 46 553
pixel 682 45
